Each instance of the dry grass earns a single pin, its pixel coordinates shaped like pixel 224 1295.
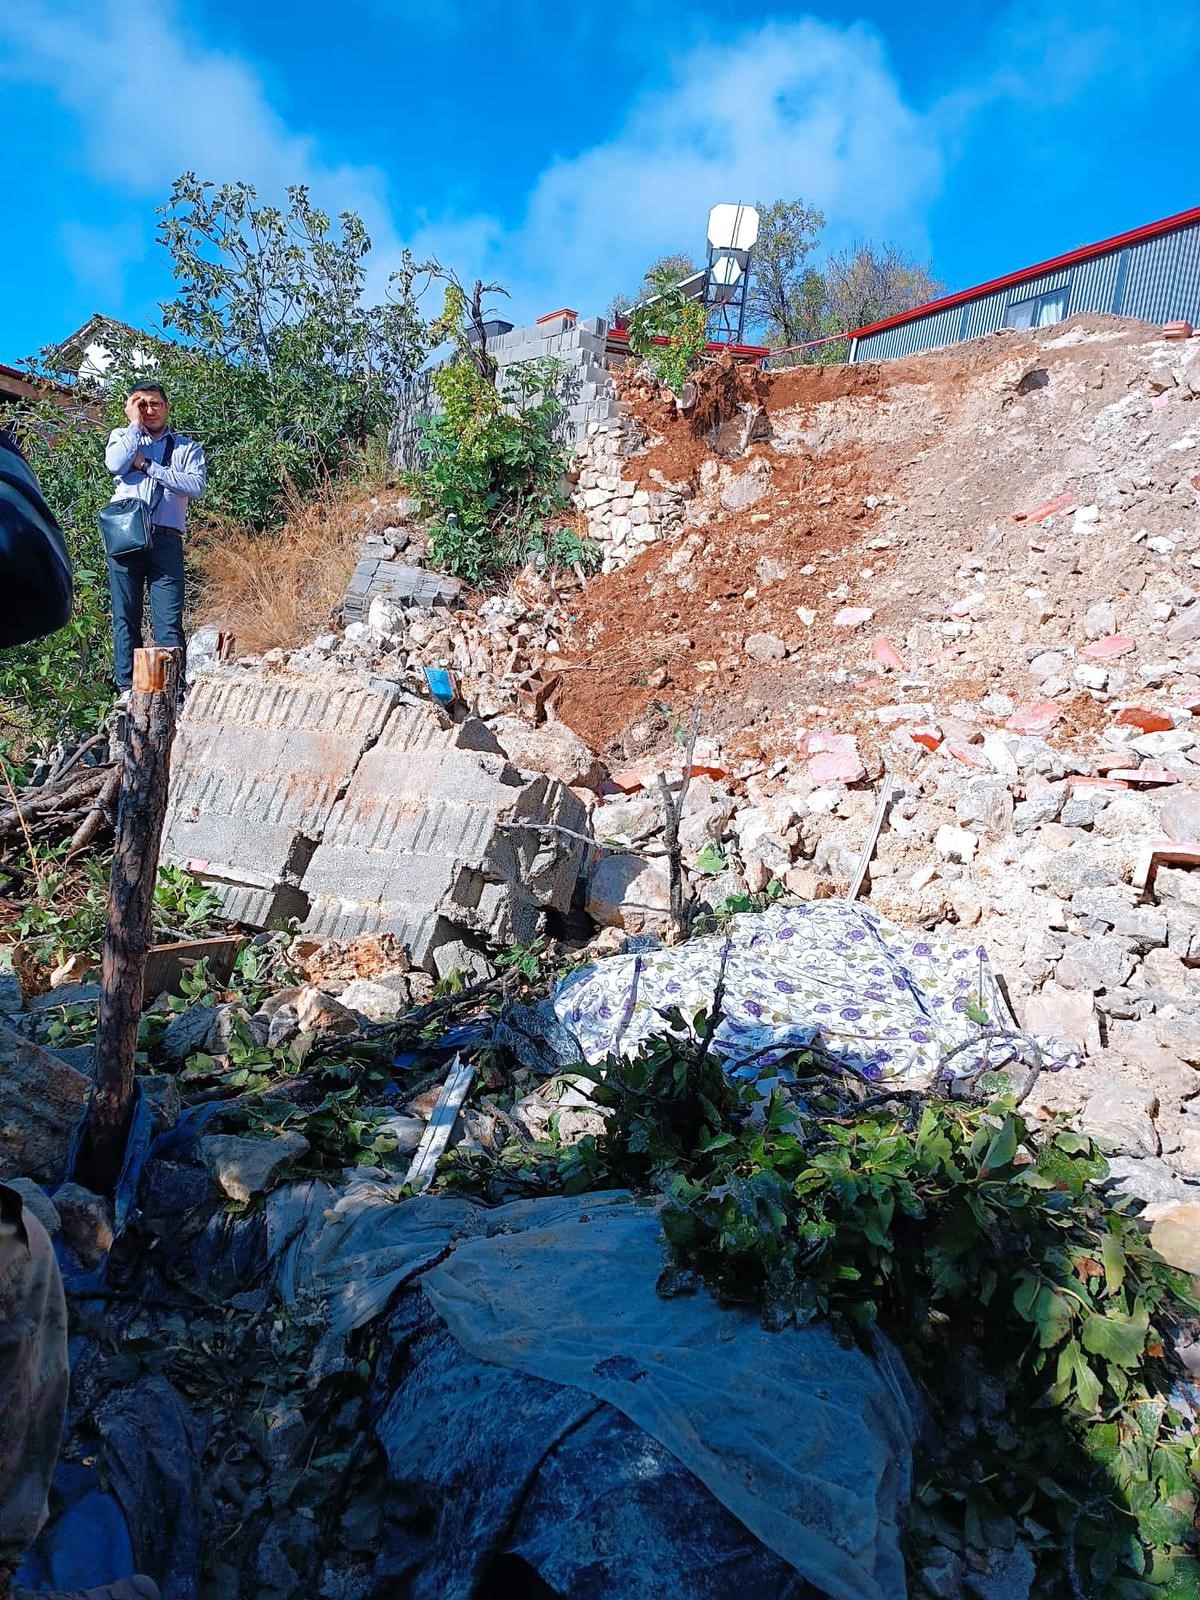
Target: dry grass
pixel 278 589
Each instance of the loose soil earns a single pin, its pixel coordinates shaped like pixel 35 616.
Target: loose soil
pixel 892 486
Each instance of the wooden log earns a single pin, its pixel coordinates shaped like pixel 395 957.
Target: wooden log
pixel 96 816
pixel 150 730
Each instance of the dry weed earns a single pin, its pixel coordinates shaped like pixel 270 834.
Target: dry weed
pixel 278 588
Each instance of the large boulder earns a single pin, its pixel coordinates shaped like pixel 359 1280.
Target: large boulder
pixel 42 1101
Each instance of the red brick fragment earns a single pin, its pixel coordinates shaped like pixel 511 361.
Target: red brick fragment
pixel 1116 644
pixel 885 652
pixel 1048 508
pixel 1145 718
pixel 1039 718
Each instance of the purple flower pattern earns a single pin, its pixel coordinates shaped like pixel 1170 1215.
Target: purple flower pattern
pixel 792 972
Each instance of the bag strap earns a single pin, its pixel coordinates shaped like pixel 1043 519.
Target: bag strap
pixel 158 490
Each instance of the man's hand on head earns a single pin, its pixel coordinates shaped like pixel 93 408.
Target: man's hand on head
pixel 132 411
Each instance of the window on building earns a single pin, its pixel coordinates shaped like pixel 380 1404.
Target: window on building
pixel 1039 311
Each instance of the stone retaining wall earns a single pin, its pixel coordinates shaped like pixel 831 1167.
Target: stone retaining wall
pixel 623 516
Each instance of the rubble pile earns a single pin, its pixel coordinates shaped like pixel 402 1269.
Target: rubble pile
pixel 919 639
pixel 889 569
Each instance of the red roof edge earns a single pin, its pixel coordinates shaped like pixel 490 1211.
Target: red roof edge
pixel 1086 252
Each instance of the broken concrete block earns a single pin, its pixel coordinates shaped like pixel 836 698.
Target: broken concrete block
pixel 437 833
pixel 1094 964
pixel 378 1002
pixel 552 749
pixel 42 1101
pixel 459 957
pixel 396 582
pixel 242 1167
pixel 1060 1014
pixel 988 803
pixel 257 765
pixel 1122 1122
pixel 358 809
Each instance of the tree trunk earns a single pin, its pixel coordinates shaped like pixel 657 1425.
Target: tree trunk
pixel 150 730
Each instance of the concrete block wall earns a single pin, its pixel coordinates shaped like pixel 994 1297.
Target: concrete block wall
pixel 590 396
pixel 588 392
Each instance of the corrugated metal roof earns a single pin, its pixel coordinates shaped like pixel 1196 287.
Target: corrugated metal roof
pixel 1151 230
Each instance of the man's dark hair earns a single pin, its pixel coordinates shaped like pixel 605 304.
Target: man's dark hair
pixel 149 388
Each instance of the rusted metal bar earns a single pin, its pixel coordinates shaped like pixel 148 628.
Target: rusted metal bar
pixel 150 730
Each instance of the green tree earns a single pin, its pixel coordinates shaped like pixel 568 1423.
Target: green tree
pixel 673 267
pixel 284 369
pixel 273 357
pixel 787 296
pixel 671 315
pixel 493 456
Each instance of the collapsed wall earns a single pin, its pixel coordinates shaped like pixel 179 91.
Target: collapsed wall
pixel 341 800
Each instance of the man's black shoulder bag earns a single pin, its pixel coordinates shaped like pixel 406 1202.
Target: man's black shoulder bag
pixel 127 525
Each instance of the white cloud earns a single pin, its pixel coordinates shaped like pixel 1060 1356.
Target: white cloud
pixel 151 100
pixel 803 109
pixel 786 109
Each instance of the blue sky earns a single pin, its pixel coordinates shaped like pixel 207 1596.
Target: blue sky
pixel 561 147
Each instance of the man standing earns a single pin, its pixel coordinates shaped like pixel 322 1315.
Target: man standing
pixel 150 463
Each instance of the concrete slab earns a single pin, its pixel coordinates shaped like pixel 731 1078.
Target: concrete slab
pixel 257 765
pixel 357 808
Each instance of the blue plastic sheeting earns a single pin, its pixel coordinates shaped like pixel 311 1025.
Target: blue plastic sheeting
pixel 87 1541
pixel 149 1495
pixel 807 1443
pixel 503 1486
pixel 887 1004
pixel 149 1460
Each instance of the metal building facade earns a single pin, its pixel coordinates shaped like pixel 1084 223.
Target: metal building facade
pixel 1152 273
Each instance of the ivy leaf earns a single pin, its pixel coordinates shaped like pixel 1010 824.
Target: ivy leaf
pixel 1052 1314
pixel 1117 1338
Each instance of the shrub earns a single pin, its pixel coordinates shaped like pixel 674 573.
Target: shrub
pixel 494 466
pixel 672 316
pixel 54 688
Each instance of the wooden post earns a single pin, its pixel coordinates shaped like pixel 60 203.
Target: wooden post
pixel 150 730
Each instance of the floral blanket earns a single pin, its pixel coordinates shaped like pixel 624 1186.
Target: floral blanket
pixel 888 1004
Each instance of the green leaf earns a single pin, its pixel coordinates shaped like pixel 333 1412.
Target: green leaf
pixel 710 861
pixel 1002 1149
pixel 1115 1337
pixel 1112 1255
pixel 1053 1314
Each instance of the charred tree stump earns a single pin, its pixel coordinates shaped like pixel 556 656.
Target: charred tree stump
pixel 150 730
